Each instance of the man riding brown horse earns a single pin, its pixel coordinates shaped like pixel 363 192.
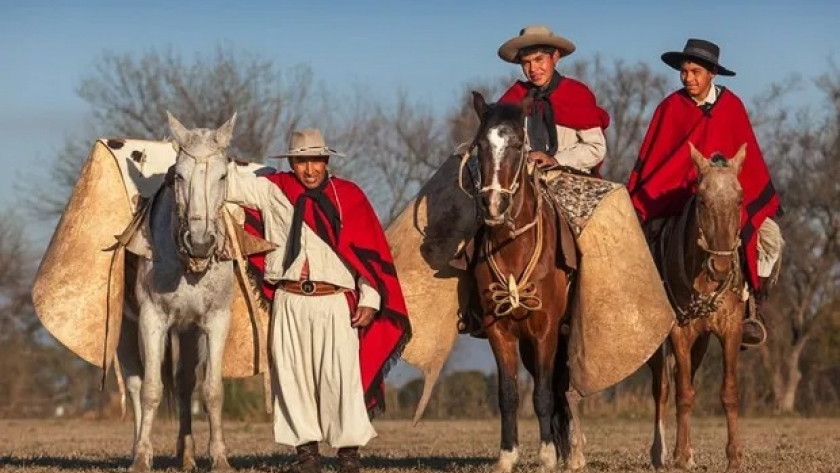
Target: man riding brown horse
pixel 564 129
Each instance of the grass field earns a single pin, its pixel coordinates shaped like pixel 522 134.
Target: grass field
pixel 770 445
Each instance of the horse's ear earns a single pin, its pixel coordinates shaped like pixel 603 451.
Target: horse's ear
pixel 737 161
pixel 526 104
pixel 178 131
pixel 225 132
pixel 479 104
pixel 700 161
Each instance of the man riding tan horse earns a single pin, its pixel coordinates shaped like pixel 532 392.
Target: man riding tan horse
pixel 715 120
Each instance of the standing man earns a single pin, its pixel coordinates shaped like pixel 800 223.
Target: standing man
pixel 715 120
pixel 565 127
pixel 339 320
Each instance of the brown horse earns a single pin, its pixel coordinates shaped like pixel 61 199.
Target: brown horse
pixel 523 292
pixel 698 255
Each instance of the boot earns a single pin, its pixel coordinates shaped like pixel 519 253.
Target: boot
pixel 348 460
pixel 308 458
pixel 754 332
pixel 471 314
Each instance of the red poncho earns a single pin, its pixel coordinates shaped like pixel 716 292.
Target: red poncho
pixel 362 245
pixel 664 177
pixel 573 104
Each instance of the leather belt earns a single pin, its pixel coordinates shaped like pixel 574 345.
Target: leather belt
pixel 311 288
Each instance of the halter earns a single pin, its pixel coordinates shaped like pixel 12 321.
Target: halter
pixel 521 164
pixel 510 293
pixel 194 264
pixel 700 304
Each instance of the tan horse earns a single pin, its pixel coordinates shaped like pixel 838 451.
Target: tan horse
pixel 698 255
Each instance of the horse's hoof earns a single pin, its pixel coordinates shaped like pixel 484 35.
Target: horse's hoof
pixel 576 463
pixel 188 464
pixel 140 465
pixel 734 465
pixel 548 457
pixel 685 464
pixel 507 460
pixel 220 464
pixel 186 453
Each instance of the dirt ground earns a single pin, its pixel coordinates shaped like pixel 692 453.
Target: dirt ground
pixel 770 445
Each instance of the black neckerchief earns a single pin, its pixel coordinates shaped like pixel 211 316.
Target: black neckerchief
pixel 322 202
pixel 542 131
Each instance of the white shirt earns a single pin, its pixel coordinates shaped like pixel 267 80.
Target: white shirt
pixel 245 188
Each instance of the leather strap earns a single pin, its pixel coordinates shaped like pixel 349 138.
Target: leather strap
pixel 311 288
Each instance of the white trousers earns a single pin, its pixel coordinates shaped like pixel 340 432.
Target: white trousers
pixel 770 245
pixel 317 384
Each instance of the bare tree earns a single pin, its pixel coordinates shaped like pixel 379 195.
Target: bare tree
pixel 805 148
pixel 629 93
pixel 129 96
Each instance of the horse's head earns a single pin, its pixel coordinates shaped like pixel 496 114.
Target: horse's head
pixel 199 185
pixel 719 198
pixel 501 154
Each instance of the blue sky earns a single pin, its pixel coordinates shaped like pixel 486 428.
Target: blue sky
pixel 426 48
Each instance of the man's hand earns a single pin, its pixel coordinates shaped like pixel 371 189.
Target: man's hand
pixel 363 317
pixel 541 159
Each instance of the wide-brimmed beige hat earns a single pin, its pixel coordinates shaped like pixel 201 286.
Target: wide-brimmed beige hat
pixel 536 35
pixel 308 142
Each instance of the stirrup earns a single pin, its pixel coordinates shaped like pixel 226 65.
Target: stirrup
pixel 752 316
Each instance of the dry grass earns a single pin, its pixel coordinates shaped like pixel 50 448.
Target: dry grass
pixel 771 445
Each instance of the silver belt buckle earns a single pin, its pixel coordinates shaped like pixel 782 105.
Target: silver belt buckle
pixel 307 287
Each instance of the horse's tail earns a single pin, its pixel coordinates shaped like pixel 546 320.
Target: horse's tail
pixel 562 416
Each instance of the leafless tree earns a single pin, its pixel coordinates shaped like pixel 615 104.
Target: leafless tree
pixel 629 93
pixel 805 148
pixel 129 96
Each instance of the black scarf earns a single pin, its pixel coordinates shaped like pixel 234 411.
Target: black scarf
pixel 542 131
pixel 322 203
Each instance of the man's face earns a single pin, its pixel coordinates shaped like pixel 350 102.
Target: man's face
pixel 310 170
pixel 696 79
pixel 538 67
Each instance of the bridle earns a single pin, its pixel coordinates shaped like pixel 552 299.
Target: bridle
pixel 518 176
pixel 706 303
pixel 181 230
pixel 509 293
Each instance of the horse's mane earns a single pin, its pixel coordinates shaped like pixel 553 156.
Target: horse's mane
pixel 502 112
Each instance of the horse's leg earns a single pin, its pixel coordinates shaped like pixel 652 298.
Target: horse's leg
pixel 576 459
pixel 128 352
pixel 185 379
pixel 567 416
pixel 544 356
pixel 682 340
pixel 153 334
pixel 729 395
pixel 217 328
pixel 658 364
pixel 504 350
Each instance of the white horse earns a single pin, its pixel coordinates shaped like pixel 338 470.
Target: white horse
pixel 182 297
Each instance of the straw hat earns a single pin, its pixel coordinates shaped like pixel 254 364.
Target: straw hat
pixel 308 142
pixel 536 35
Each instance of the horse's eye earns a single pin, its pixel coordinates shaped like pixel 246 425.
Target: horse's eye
pixel 179 177
pixel 224 176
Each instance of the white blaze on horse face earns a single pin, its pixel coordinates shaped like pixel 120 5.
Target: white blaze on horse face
pixel 498 148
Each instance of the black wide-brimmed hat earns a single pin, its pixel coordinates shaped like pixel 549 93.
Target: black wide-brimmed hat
pixel 697 49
